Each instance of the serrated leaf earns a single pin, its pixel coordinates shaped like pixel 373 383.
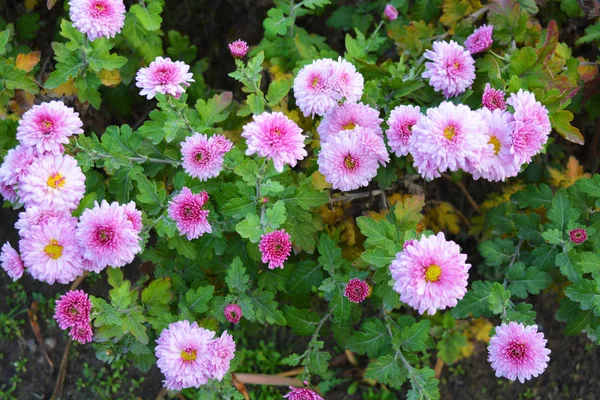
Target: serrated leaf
pixel 237 279
pixel 275 216
pixel 197 300
pixel 278 90
pixel 408 213
pixel 149 15
pixel 250 228
pixel 450 345
pixel 387 370
pixel 587 294
pixel 266 309
pixel 534 196
pixel 475 302
pixel 276 23
pixel 330 255
pixel 302 321
pixel 378 257
pixel 499 298
pixel 415 336
pixel 562 211
pixel 497 252
pixel 133 322
pixel 526 280
pixel 568 264
pixel 424 386
pixel 157 295
pixel 372 339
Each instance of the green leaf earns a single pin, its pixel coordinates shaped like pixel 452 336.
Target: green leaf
pixel 85 203
pixel 408 213
pixel 476 301
pixel 450 345
pixel 534 196
pixel 562 211
pixel 213 111
pixel 266 309
pixel 121 184
pixel 415 336
pixel 587 294
pixel 330 255
pixel 569 266
pixel 149 16
pixel 236 278
pixel 372 339
pixel 197 300
pixel 275 216
pixel 590 186
pixel 497 252
pixel 100 57
pixel 14 78
pixel 121 296
pixel 589 262
pixel 561 122
pixel 292 360
pixel 318 361
pixel 522 313
pixel 157 295
pixel 577 319
pixel 592 33
pixel 528 226
pixel 184 247
pixel 553 236
pixel 306 275
pixel 378 233
pixel 278 90
pixel 104 313
pixel 338 303
pixel 148 195
pixel 250 228
pixel 378 257
pixel 276 23
pixel 307 197
pixel 387 370
pixel 238 207
pixel 4 36
pixel 87 89
pixel 499 298
pixel 302 321
pixel 133 322
pixel 115 276
pixel 530 280
pixel 424 386
pixel 248 170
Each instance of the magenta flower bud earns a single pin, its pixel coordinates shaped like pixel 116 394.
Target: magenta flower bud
pixel 493 99
pixel 390 13
pixel 233 313
pixel 578 235
pixel 356 290
pixel 238 49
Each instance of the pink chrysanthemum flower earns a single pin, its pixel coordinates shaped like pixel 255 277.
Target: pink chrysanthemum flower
pixel 48 126
pixel 98 18
pixel 34 216
pixel 450 137
pixel 163 76
pixel 186 210
pixel 480 40
pixel 11 262
pixel 431 274
pixel 302 394
pixel 373 144
pixel 314 88
pixel 401 121
pixel 346 163
pixel 452 69
pixel 347 117
pixel 348 82
pixel 390 13
pixel 356 290
pixel 183 355
pixel 8 192
pixel 275 248
pixel 276 137
pixel 16 164
pixel 203 155
pixel 532 125
pixel 578 235
pixel 53 181
pixel 221 351
pixel 493 99
pixel 233 313
pixel 133 215
pixel 518 352
pixel 73 309
pixel 497 163
pixel 107 237
pixel 50 252
pixel 82 333
pixel 238 49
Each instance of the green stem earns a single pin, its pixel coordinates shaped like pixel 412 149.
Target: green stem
pixel 372 37
pixel 181 115
pixel 259 179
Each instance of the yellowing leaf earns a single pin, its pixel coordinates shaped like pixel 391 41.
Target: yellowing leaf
pixel 564 179
pixel 26 62
pixel 278 73
pixel 66 89
pixel 442 217
pixel 318 181
pixel 350 231
pixel 467 350
pixel 22 102
pixel 110 78
pixel 587 72
pixel 480 329
pixel 456 10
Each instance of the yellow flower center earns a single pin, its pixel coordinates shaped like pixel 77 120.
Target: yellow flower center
pixel 188 355
pixel 99 7
pixel 315 81
pixel 433 273
pixel 56 181
pixel 47 125
pixel 54 250
pixel 349 126
pixel 450 132
pixel 277 132
pixel 456 65
pixel 494 140
pixel 349 162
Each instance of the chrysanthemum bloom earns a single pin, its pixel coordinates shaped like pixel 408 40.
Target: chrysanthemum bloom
pixel 493 99
pixel 163 76
pixel 314 88
pixel 53 181
pixel 348 82
pixel 233 313
pixel 302 394
pixel 221 351
pixel 410 242
pixel 373 144
pixel 238 49
pixel 431 274
pixel 450 137
pixel 390 13
pixel 186 210
pixel 480 40
pixel 183 356
pixel 346 163
pixel 8 192
pixel 11 262
pixel 107 237
pixel 72 309
pixel 16 164
pixel 38 215
pixel 578 235
pixel 48 126
pixel 518 352
pixel 532 125
pixel 356 290
pixel 496 163
pixel 82 333
pixel 452 69
pixel 203 155
pixel 401 121
pixel 98 18
pixel 275 248
pixel 133 215
pixel 50 252
pixel 347 117
pixel 275 136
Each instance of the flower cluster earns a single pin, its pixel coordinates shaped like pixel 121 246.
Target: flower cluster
pixel 188 356
pixel 72 312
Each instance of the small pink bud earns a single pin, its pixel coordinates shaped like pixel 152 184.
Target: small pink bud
pixel 390 13
pixel 264 200
pixel 356 290
pixel 233 313
pixel 306 383
pixel 238 49
pixel 578 235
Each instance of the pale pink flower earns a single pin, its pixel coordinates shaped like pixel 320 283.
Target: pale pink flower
pixel 276 137
pixel 16 164
pixel 8 192
pixel 133 215
pixel 450 137
pixel 11 262
pixel 452 69
pixel 107 237
pixel 431 274
pixel 401 121
pixel 518 352
pixel 493 99
pixel 275 248
pixel 238 49
pixel 73 309
pixel 348 82
pixel 221 351
pixel 347 117
pixel 50 252
pixel 186 209
pixel 302 394
pixel 373 144
pixel 346 163
pixel 163 76
pixel 183 355
pixel 53 181
pixel 532 126
pixel 356 290
pixel 98 18
pixel 233 313
pixel 314 88
pixel 203 155
pixel 480 40
pixel 39 215
pixel 390 13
